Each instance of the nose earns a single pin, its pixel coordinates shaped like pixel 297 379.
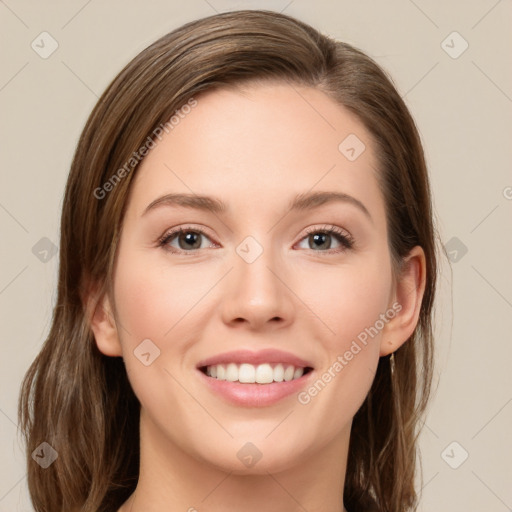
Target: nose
pixel 256 294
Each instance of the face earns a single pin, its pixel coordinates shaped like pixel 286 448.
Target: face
pixel 284 270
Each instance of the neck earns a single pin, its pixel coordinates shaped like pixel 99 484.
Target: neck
pixel 170 475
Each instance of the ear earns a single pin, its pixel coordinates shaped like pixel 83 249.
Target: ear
pixel 409 290
pixel 103 325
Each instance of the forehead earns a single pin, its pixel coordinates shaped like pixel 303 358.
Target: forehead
pixel 261 144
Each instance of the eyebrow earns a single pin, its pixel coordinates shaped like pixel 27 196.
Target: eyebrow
pixel 301 202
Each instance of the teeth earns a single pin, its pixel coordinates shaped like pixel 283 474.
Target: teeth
pixel 288 373
pixel 247 373
pixel 279 373
pixel 250 374
pixel 232 372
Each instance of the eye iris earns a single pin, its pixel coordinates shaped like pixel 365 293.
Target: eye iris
pixel 190 238
pixel 319 240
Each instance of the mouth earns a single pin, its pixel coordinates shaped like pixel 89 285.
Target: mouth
pixel 255 379
pixel 247 373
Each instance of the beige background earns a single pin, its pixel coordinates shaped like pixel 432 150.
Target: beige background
pixel 463 107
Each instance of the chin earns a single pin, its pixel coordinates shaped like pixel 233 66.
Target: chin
pixel 256 455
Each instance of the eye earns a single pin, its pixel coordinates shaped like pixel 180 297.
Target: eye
pixel 329 239
pixel 323 240
pixel 187 240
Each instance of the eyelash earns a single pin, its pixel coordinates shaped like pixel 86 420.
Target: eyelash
pixel 343 237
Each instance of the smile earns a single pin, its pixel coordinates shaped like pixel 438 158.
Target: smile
pixel 246 373
pixel 255 379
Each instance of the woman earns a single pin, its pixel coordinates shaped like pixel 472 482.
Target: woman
pixel 247 274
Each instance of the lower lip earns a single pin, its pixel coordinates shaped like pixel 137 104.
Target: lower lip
pixel 255 395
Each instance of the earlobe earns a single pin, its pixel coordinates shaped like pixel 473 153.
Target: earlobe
pixel 410 288
pixel 103 325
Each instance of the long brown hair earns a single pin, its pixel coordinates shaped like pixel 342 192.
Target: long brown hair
pixel 80 401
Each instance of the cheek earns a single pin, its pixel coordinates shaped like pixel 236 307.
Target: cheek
pixel 350 300
pixel 154 304
pixel 165 306
pixel 347 300
pixel 151 301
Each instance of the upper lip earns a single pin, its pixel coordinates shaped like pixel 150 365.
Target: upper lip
pixel 254 358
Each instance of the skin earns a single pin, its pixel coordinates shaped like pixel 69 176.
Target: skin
pixel 255 149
